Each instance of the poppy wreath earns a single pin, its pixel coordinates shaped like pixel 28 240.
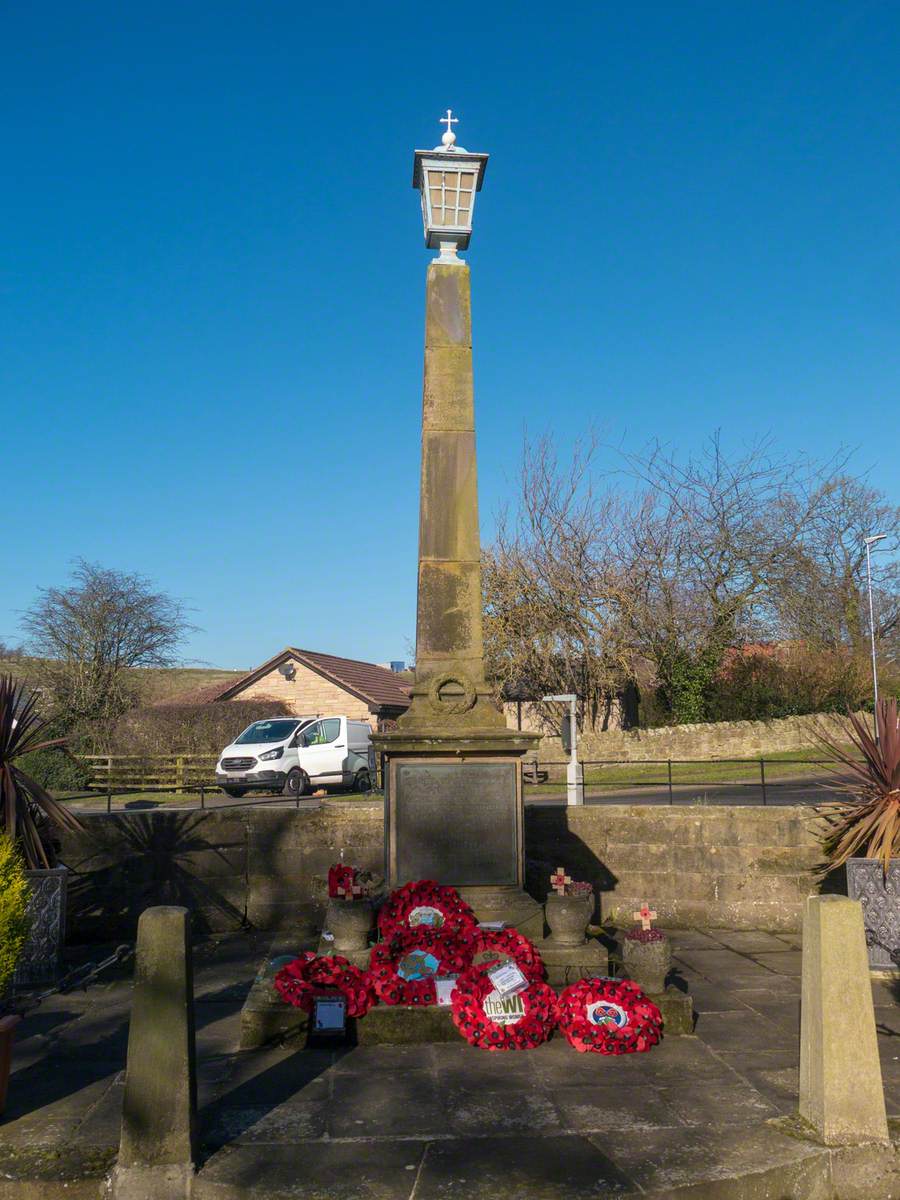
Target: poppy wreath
pixel 490 946
pixel 609 1016
pixel 341 879
pixel 425 904
pixel 430 951
pixel 302 979
pixel 537 1005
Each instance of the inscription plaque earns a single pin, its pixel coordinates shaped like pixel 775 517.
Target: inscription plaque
pixel 455 822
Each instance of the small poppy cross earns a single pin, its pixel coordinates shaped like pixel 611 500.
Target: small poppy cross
pixel 646 915
pixel 350 893
pixel 560 879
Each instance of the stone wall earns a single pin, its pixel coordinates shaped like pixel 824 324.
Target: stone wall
pixel 308 694
pixel 724 739
pixel 741 867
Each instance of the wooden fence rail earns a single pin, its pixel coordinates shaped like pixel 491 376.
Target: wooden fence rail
pixel 175 771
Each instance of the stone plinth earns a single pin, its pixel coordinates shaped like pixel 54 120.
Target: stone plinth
pixel 158 1143
pixel 568 964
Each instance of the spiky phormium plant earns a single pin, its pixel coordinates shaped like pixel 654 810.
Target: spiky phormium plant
pixel 867 822
pixel 23 802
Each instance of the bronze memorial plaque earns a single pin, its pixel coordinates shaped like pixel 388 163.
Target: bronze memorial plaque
pixel 455 822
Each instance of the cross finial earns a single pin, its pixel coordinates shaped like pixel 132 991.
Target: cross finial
pixel 448 137
pixel 559 879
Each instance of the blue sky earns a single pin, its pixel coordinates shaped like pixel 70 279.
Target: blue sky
pixel 213 274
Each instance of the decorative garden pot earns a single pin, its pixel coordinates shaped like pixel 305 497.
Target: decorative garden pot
pixel 349 922
pixel 39 960
pixel 880 900
pixel 647 962
pixel 568 918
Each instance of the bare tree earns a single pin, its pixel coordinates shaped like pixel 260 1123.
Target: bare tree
pixel 820 595
pixel 685 559
pixel 92 633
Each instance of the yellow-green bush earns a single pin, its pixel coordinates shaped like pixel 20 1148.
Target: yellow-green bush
pixel 14 921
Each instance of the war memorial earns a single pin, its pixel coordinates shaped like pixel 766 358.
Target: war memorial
pixel 444 1032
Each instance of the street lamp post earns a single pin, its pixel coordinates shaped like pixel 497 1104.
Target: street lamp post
pixel 869 543
pixel 574 769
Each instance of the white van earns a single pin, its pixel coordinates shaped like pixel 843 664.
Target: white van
pixel 296 754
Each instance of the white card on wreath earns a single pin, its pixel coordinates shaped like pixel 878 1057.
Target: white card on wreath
pixel 507 979
pixel 493 926
pixel 444 986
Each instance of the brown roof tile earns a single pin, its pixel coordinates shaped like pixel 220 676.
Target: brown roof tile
pixel 379 687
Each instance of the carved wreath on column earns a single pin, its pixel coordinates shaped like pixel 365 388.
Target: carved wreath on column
pixel 451 692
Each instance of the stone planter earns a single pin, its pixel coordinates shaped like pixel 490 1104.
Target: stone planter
pixel 39 961
pixel 568 918
pixel 647 963
pixel 880 900
pixel 350 922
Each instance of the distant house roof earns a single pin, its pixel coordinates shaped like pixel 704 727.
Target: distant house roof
pixel 378 687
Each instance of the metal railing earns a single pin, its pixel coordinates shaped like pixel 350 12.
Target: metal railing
pixel 756 780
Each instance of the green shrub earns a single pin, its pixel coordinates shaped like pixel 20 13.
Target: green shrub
pixel 14 919
pixel 56 770
pixel 189 728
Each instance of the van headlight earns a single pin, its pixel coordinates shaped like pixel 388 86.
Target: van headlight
pixel 270 754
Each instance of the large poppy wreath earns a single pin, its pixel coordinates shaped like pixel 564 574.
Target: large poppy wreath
pixel 301 980
pixel 490 946
pixel 403 969
pixel 495 1022
pixel 609 1016
pixel 425 904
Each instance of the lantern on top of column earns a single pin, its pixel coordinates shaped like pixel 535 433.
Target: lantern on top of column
pixel 448 178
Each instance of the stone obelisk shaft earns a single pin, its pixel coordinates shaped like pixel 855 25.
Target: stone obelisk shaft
pixel 448 626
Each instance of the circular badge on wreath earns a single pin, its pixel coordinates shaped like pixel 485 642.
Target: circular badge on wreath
pixel 403 969
pixel 425 904
pixel 491 946
pixel 300 980
pixel 494 1022
pixel 609 1016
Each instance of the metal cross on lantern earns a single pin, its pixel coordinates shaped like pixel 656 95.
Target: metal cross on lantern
pixel 448 137
pixel 560 879
pixel 646 915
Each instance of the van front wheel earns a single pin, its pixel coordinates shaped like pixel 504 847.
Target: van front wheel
pixel 363 781
pixel 296 784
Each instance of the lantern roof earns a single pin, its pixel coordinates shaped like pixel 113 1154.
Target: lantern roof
pixel 448 151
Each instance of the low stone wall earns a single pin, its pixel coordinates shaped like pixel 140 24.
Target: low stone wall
pixel 739 868
pixel 724 739
pixel 736 867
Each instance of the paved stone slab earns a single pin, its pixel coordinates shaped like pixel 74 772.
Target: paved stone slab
pixel 545 1168
pixel 352 1170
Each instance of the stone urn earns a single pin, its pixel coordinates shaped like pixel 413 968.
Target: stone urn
pixel 568 918
pixel 647 959
pixel 349 922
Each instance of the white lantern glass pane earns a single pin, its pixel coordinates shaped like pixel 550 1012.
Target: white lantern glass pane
pixel 467 181
pixel 451 179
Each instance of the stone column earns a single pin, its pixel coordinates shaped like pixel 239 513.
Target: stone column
pixel 449 650
pixel 157 1150
pixel 841 1092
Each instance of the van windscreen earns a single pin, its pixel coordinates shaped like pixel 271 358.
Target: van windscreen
pixel 266 731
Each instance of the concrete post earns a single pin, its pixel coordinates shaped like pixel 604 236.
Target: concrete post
pixel 157 1147
pixel 841 1092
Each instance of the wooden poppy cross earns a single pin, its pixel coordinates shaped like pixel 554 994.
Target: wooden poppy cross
pixel 350 893
pixel 559 880
pixel 646 915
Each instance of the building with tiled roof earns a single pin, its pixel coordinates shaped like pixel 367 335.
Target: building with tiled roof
pixel 312 684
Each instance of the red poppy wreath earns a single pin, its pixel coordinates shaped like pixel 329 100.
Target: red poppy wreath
pixel 425 904
pixel 403 969
pixel 308 975
pixel 609 1016
pixel 493 1022
pixel 491 946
